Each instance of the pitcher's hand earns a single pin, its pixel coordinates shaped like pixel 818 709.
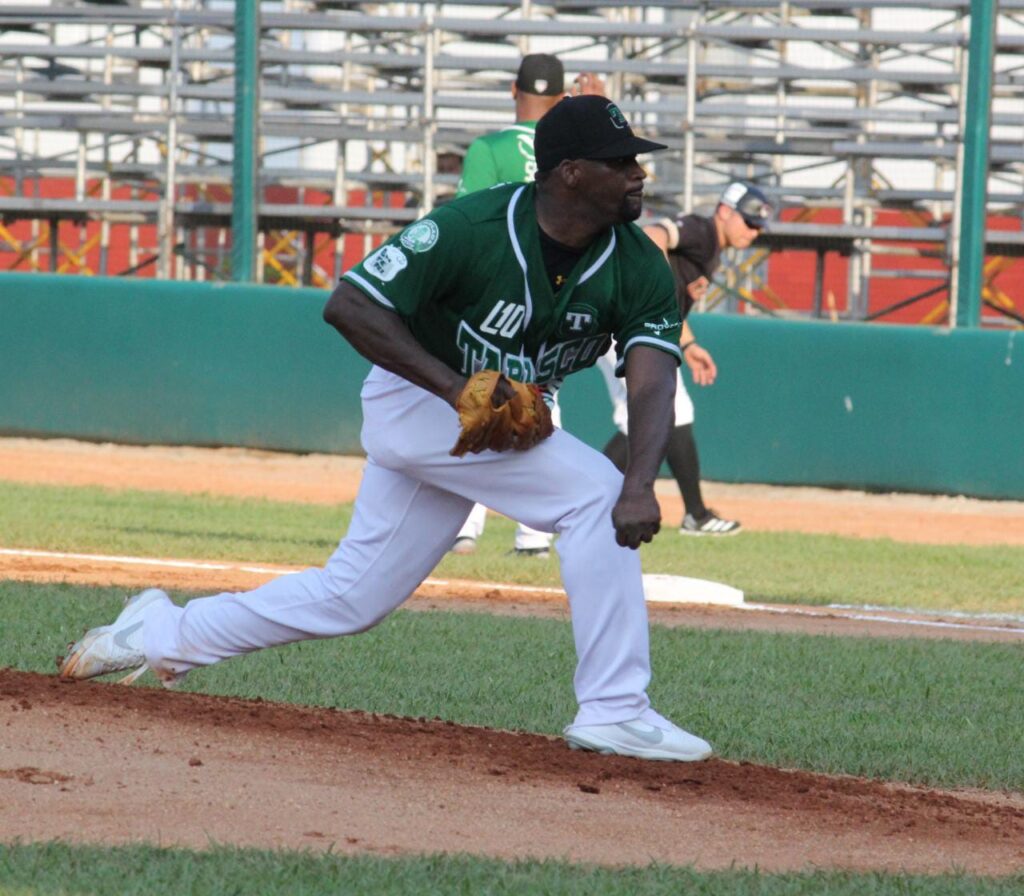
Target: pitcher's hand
pixel 636 517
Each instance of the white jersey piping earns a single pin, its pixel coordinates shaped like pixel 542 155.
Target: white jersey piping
pixel 589 272
pixel 517 249
pixel 367 288
pixel 646 340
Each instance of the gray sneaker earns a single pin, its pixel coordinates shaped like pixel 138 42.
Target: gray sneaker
pixel 116 647
pixel 709 524
pixel 640 739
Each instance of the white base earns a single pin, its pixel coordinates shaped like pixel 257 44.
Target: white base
pixel 684 590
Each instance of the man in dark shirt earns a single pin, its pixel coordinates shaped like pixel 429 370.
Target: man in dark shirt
pixel 693 245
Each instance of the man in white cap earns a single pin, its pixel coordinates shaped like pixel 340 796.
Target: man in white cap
pixel 693 245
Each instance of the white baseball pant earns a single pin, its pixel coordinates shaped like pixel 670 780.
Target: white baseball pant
pixel 413 498
pixel 617 393
pixel 526 539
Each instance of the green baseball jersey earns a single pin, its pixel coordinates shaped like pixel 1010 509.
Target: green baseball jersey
pixel 506 156
pixel 469 282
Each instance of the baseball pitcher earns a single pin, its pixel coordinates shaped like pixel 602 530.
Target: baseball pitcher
pixel 468 289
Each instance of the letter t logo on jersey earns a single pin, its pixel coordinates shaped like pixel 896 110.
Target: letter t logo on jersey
pixel 578 321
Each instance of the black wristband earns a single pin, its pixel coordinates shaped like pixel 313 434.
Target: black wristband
pixel 686 345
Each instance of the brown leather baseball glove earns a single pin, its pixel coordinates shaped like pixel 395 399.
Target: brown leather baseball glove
pixel 500 414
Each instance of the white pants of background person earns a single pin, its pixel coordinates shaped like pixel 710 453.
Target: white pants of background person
pixel 617 393
pixel 413 498
pixel 527 539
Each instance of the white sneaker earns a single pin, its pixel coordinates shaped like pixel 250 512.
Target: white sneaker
pixel 116 647
pixel 640 739
pixel 463 545
pixel 709 524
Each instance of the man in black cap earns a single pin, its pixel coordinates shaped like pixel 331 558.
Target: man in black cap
pixel 533 280
pixel 507 156
pixel 693 245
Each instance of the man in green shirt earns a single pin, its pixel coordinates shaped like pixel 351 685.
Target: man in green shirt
pixel 471 286
pixel 507 156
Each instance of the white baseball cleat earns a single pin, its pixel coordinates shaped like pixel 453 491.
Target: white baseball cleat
pixel 709 524
pixel 465 544
pixel 640 739
pixel 116 647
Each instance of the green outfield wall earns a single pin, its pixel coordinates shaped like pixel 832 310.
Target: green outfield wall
pixel 864 406
pixel 175 363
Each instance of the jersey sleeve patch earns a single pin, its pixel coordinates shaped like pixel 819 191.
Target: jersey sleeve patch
pixel 417 265
pixel 386 263
pixel 420 237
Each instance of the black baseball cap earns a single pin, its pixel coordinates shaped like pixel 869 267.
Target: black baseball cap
pixel 586 127
pixel 750 202
pixel 541 74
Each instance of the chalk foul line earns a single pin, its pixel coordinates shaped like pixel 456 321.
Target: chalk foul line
pixel 866 614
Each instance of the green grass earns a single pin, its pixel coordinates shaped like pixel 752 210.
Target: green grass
pixel 930 712
pixel 770 567
pixel 48 869
pixel 159 524
pixel 941 713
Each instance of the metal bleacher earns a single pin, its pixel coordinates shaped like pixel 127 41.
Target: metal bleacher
pixel 848 114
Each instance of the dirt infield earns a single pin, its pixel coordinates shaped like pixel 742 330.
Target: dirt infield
pixel 329 479
pixel 88 762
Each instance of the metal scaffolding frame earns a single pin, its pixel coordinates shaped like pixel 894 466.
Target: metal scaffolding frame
pixel 825 103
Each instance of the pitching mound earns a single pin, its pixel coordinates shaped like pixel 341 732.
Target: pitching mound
pixel 102 763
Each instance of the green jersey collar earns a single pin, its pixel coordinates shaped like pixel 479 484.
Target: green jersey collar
pixel 522 233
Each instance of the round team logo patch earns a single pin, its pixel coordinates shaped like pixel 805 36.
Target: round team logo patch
pixel 420 237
